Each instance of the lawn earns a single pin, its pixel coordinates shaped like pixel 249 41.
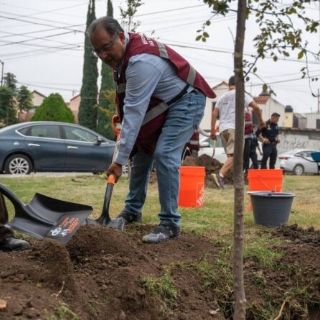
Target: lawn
pixel 213 219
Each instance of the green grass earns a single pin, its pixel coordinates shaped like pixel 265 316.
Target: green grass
pixel 163 287
pixel 63 312
pixel 213 219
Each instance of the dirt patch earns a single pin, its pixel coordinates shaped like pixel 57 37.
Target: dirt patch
pixel 106 274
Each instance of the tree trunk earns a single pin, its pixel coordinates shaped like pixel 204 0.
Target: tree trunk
pixel 240 299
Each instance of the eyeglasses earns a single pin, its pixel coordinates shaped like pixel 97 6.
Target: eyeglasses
pixel 105 48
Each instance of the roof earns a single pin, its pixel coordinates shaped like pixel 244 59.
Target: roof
pixel 38 93
pixel 220 84
pixel 75 97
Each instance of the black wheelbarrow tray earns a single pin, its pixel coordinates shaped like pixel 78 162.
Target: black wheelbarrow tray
pixel 46 217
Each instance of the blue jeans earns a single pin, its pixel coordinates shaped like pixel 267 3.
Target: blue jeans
pixel 183 117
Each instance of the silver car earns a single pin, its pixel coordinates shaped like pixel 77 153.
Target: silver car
pixel 300 161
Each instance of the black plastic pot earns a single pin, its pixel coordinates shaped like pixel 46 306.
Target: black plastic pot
pixel 271 209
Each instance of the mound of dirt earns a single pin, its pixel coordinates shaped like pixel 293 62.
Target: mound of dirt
pixel 211 166
pixel 105 274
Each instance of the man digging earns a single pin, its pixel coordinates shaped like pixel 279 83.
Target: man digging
pixel 160 102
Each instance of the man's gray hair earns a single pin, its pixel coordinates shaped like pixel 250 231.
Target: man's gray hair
pixel 109 24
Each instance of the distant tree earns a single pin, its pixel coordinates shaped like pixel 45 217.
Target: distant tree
pixel 24 98
pixel 10 81
pixel 89 89
pixel 128 14
pixel 53 108
pixel 105 108
pixel 7 109
pixel 109 96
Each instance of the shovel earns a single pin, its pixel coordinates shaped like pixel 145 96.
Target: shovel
pixel 105 216
pixel 213 143
pixel 46 217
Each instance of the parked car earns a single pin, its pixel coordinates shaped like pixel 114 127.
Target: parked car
pixel 53 146
pixel 299 161
pixel 207 146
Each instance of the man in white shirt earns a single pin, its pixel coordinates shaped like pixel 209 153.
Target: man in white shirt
pixel 225 110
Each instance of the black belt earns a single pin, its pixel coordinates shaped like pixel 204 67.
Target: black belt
pixel 179 95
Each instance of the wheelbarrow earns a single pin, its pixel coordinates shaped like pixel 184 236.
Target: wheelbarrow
pixel 46 217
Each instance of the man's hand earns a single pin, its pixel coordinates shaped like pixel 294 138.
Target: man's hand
pixel 115 169
pixel 115 124
pixel 265 141
pixel 213 135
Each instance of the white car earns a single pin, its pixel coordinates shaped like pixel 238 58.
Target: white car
pixel 299 161
pixel 207 146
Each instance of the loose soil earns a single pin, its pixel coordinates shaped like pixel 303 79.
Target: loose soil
pixel 105 274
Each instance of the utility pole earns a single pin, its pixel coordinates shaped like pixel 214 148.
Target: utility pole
pixel 2 64
pixel 318 97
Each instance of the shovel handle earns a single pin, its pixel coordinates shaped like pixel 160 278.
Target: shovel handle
pixel 111 179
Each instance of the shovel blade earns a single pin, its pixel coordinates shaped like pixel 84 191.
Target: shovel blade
pixel 46 217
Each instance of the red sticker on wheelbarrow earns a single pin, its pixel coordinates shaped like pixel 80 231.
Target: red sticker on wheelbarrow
pixel 65 229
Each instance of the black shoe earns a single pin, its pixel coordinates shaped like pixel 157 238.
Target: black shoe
pixel 12 243
pixel 162 233
pixel 124 218
pixel 219 181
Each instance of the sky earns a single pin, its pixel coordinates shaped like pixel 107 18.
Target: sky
pixel 41 42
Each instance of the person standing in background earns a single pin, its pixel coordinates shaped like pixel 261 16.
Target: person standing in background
pixel 269 138
pixel 248 135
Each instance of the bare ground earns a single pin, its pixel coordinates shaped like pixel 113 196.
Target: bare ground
pixel 106 274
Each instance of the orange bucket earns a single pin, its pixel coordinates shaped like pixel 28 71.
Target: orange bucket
pixel 265 180
pixel 191 192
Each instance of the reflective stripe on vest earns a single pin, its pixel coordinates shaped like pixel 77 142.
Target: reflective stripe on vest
pixel 162 50
pixel 191 75
pixel 154 112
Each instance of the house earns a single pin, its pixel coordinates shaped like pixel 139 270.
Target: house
pixel 268 105
pixel 313 120
pixel 37 99
pixel 74 106
pixel 299 121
